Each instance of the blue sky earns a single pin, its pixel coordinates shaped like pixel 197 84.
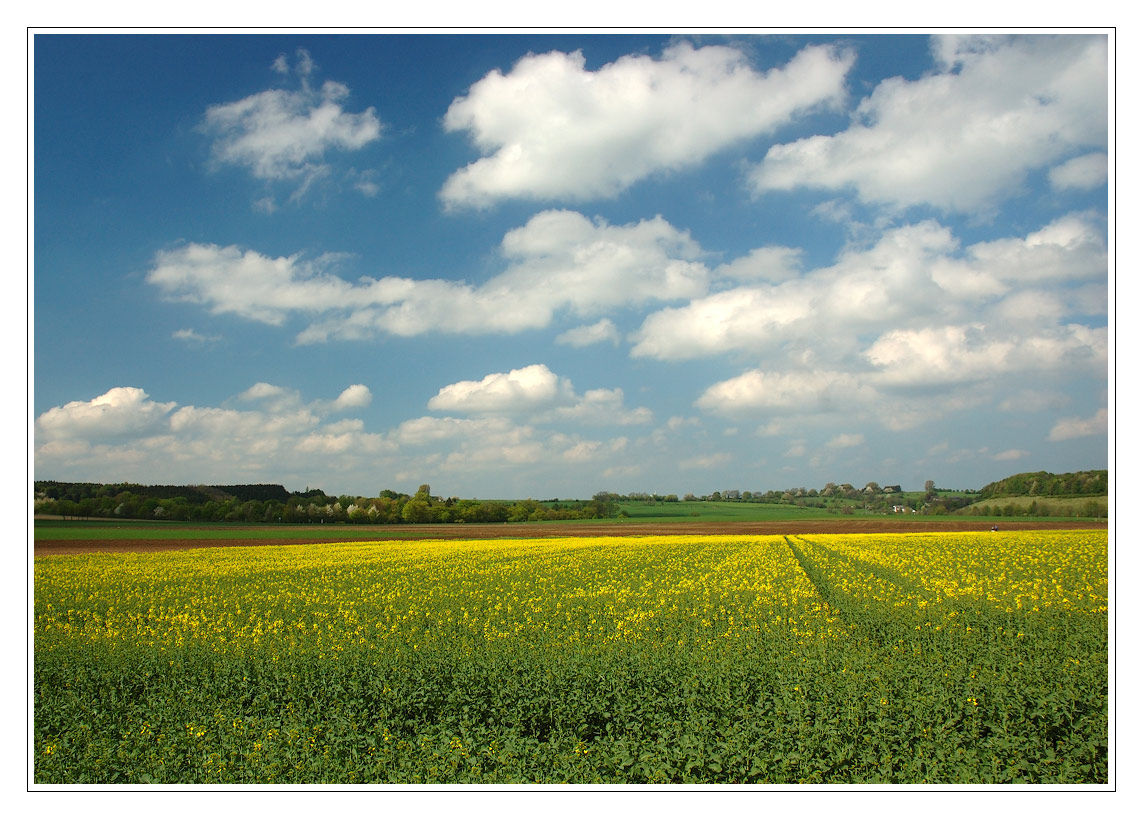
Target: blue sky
pixel 547 265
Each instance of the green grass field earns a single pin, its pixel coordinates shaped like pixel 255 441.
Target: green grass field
pixel 716 511
pixel 1075 505
pixel 92 530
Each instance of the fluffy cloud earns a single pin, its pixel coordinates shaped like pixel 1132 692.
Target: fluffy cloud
pixel 585 335
pixel 1070 248
pixel 537 392
pixel 769 264
pixel 750 318
pixel 118 412
pixel 1078 427
pixel 517 422
pixel 558 261
pixel 464 449
pixel 786 393
pixel 602 407
pixel 271 435
pixel 550 128
pixel 594 266
pixel 261 429
pixel 262 390
pixel 866 288
pixel 281 135
pixel 797 449
pixel 588 450
pixel 965 136
pixel 514 448
pixel 356 395
pixel 962 354
pixel 914 278
pixel 561 263
pixel 527 388
pixel 1088 171
pixel 893 333
pixel 429 429
pixel 246 283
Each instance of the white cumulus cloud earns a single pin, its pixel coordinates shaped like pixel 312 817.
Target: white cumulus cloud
pixel 120 411
pixel 246 283
pixel 769 264
pixel 535 391
pixel 429 429
pixel 966 353
pixel 526 388
pixel 551 128
pixel 1071 247
pixel 356 395
pixel 1079 427
pixel 281 135
pixel 602 407
pixel 843 440
pixel 866 288
pixel 585 335
pixel 558 261
pixel 966 135
pixel 1088 171
pixel 272 435
pixel 785 392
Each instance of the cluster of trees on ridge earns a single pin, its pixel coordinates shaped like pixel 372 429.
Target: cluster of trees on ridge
pixel 1090 482
pixel 272 503
pixel 1081 493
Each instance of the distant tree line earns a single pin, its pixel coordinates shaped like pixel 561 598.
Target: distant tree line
pixel 272 503
pixel 844 498
pixel 199 494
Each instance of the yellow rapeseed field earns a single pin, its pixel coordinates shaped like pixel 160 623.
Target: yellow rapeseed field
pixel 969 657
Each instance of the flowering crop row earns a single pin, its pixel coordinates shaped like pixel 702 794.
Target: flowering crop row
pixel 889 658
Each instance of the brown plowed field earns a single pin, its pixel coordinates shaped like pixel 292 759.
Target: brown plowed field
pixel 453 531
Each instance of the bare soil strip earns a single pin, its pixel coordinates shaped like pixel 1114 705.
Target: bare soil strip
pixel 467 531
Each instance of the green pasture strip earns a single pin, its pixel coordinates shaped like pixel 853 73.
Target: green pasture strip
pixel 677 512
pixel 116 531
pixel 1024 502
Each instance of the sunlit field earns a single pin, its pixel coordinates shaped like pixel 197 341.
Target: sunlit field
pixel 921 658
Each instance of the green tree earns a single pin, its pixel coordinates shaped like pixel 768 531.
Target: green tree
pixel 417 511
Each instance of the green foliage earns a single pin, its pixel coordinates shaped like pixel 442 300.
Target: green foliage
pixel 272 504
pixel 1089 482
